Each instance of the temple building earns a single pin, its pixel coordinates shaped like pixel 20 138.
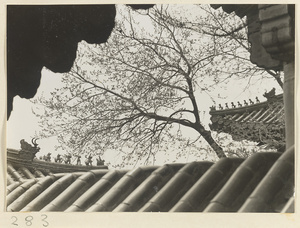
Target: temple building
pixel 261 122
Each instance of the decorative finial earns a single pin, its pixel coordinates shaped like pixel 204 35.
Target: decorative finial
pixel 58 159
pixel 269 95
pixel 25 146
pixel 48 157
pixel 257 100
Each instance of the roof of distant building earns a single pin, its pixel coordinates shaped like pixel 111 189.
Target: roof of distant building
pixel 261 122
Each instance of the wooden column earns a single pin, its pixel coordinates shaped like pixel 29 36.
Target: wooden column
pixel 288 95
pixel 278 39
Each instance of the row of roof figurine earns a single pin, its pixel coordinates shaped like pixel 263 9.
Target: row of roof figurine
pixel 269 95
pixel 25 146
pixel 67 159
pixel 234 106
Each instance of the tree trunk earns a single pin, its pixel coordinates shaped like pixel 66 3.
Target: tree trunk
pixel 207 136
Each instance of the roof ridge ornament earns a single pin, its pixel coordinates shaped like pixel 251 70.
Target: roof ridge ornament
pixel 28 150
pixel 28 147
pixel 270 95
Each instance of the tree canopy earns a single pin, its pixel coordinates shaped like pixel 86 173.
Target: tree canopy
pixel 138 92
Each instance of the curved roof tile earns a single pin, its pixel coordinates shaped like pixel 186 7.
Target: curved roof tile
pixel 95 192
pixel 200 194
pixel 31 193
pixel 242 182
pixel 176 187
pixel 71 193
pixel 281 175
pixel 50 193
pixel 148 188
pixel 12 196
pixel 121 189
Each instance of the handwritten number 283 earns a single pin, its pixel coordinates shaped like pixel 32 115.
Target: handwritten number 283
pixel 29 219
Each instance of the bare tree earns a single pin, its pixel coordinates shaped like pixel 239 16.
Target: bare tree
pixel 135 92
pixel 219 24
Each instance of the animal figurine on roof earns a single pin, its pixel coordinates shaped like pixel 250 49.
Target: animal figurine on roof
pixel 100 161
pixel 78 161
pixel 269 95
pixel 88 161
pixel 58 159
pixel 48 157
pixel 68 159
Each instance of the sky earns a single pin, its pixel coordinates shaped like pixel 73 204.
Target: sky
pixel 23 124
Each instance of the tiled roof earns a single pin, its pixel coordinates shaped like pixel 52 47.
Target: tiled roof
pixel 262 122
pixel 240 10
pixel 22 166
pixel 263 182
